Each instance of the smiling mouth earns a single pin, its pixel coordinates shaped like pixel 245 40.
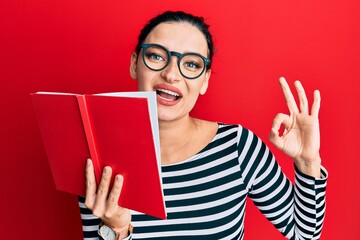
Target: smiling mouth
pixel 167 95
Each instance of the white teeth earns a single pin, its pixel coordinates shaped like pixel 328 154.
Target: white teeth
pixel 168 92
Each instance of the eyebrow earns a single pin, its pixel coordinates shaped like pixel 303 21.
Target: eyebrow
pixel 186 52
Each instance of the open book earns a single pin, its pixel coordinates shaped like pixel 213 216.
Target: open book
pixel 119 130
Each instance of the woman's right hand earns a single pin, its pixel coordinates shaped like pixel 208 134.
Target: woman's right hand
pixel 104 204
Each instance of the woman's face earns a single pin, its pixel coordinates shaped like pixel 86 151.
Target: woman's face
pixel 176 95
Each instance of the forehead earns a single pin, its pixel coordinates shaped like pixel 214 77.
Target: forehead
pixel 181 37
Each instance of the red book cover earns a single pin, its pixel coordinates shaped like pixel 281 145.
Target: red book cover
pixel 116 131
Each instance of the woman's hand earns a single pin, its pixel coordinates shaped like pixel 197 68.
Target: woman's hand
pixel 301 137
pixel 104 204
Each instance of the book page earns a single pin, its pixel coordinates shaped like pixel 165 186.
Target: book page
pixel 57 93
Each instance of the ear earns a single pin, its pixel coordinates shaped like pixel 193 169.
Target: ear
pixel 205 84
pixel 133 66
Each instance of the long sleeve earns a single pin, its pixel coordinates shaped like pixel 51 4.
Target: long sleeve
pixel 296 210
pixel 309 204
pixel 90 223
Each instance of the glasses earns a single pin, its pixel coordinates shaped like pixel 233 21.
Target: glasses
pixel 156 57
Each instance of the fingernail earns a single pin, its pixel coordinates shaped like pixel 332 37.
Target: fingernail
pixel 88 162
pixel 119 178
pixel 106 169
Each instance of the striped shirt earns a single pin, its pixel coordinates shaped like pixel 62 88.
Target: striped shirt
pixel 205 195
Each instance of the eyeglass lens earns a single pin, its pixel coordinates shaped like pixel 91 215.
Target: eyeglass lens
pixel 157 58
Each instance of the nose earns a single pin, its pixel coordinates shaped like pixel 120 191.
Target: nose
pixel 172 73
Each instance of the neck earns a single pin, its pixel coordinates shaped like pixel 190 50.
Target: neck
pixel 172 130
pixel 174 135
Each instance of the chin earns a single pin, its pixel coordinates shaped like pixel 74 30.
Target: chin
pixel 166 117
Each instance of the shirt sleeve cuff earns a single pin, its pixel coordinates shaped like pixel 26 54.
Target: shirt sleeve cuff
pixel 311 182
pixel 323 174
pixel 128 237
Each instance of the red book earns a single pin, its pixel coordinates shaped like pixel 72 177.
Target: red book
pixel 119 130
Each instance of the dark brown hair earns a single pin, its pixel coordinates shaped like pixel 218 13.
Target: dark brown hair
pixel 178 16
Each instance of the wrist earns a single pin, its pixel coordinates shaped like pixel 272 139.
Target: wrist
pixel 124 233
pixel 109 233
pixel 310 168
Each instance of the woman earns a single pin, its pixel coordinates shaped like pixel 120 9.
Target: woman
pixel 209 168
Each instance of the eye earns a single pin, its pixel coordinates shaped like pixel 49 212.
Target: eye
pixel 154 56
pixel 192 65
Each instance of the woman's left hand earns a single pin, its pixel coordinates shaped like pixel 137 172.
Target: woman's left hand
pixel 301 137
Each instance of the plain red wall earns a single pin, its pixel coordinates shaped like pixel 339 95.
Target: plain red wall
pixel 84 46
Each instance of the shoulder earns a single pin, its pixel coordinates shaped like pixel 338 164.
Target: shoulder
pixel 231 127
pixel 238 131
pixel 243 134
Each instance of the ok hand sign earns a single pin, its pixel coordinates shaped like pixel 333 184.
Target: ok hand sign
pixel 301 137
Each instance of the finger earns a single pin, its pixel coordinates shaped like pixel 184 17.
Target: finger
pixel 103 189
pixel 316 104
pixel 289 98
pixel 90 194
pixel 113 199
pixel 304 106
pixel 281 119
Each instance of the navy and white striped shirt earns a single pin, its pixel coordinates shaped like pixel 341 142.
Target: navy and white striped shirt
pixel 205 195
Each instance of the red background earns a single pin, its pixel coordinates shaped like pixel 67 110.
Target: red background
pixel 84 46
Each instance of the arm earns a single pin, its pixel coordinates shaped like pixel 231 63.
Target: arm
pixel 90 223
pixel 301 142
pixel 298 210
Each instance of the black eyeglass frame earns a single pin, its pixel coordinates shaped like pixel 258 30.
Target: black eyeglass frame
pixel 173 53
